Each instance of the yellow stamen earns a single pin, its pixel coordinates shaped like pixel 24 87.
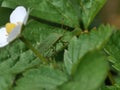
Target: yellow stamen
pixel 9 27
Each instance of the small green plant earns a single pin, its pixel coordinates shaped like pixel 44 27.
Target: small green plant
pixel 57 49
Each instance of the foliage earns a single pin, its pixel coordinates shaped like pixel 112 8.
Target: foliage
pixel 57 50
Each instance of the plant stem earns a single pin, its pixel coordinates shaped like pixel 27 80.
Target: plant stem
pixel 110 76
pixel 36 52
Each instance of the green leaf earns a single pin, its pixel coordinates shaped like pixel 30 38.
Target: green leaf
pixel 78 47
pixel 14 65
pixel 6 81
pixel 113 49
pixel 14 59
pixel 89 10
pixel 76 7
pixel 90 73
pixel 59 11
pixel 26 60
pixel 40 32
pixel 114 87
pixel 18 64
pixel 40 79
pixel 12 50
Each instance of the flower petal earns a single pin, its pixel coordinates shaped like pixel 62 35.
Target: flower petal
pixel 26 17
pixel 18 15
pixel 15 33
pixel 3 37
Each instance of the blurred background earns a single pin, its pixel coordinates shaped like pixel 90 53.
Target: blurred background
pixel 110 13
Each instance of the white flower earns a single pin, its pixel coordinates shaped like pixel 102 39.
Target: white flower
pixel 13 29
